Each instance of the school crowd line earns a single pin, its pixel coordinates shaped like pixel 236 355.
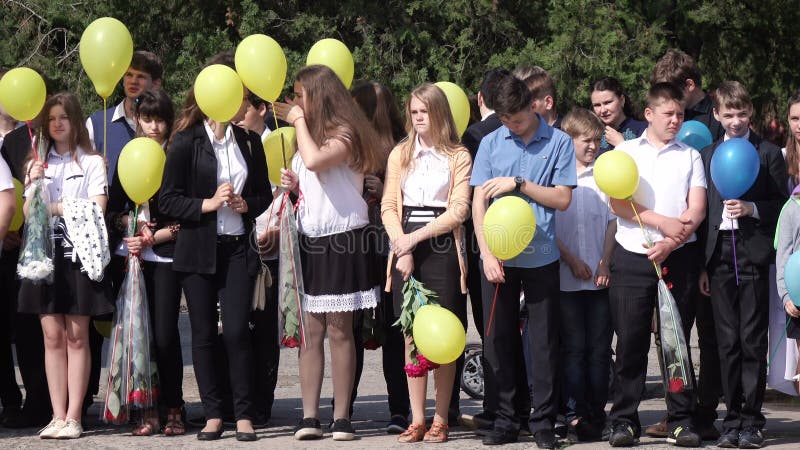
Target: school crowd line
pixel 212 232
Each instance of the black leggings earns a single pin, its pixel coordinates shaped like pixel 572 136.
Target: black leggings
pixel 163 300
pixel 232 285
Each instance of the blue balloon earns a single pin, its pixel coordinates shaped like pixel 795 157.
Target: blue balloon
pixel 791 274
pixel 734 167
pixel 695 134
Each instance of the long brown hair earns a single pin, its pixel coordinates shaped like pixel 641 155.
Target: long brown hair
pixel 378 104
pixel 78 136
pixel 792 146
pixel 190 113
pixel 443 128
pixel 331 113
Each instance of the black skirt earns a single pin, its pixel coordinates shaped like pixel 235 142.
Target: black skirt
pixel 72 292
pixel 338 272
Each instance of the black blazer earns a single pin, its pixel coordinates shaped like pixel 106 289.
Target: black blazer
pixel 477 131
pixel 769 193
pixel 190 175
pixel 16 150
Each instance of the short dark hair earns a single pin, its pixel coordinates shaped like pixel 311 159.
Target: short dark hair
pixel 661 92
pixel 512 96
pixel 732 95
pixel 676 67
pixel 489 85
pixel 148 62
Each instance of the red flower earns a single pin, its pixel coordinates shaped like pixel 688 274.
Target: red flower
pixel 676 385
pixel 290 341
pixel 372 344
pixel 121 418
pixel 138 397
pixel 669 286
pixel 415 371
pixel 154 393
pixel 426 364
pixel 664 271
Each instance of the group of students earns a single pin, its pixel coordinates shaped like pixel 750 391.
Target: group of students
pixel 424 190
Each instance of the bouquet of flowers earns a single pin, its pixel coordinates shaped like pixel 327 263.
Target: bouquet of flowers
pixel 371 330
pixel 674 351
pixel 290 279
pixel 415 296
pixel 36 256
pixel 132 372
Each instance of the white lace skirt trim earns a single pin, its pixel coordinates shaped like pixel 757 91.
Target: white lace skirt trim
pixel 341 302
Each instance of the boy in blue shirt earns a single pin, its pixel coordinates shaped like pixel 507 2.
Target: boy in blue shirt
pixel 528 158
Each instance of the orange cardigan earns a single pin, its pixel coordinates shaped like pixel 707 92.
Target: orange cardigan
pixel 459 197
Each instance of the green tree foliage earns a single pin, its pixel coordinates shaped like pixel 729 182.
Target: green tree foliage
pixel 402 43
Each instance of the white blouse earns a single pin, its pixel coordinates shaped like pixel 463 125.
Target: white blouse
pixel 64 177
pixel 231 168
pixel 428 180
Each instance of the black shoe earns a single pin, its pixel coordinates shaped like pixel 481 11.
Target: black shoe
pixel 560 429
pixel 622 436
pixel 684 436
pixel 572 433
pixel 545 439
pixel 585 431
pixel 605 435
pixel 343 430
pixel 708 432
pixel 10 413
pixel 308 428
pixel 209 435
pixel 500 437
pixel 751 437
pixel 246 437
pixel 397 424
pixel 729 439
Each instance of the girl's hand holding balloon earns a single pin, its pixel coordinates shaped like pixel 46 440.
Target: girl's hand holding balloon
pixel 791 309
pixel 289 180
pixel 738 208
pixel 493 270
pixel 661 250
pixel 135 244
pixel 36 171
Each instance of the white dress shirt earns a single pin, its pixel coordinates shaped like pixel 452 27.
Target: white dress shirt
pixel 66 178
pixel 428 179
pixel 119 111
pixel 728 223
pixel 665 177
pixel 231 168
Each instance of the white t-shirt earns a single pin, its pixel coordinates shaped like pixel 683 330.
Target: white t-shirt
pixel 582 229
pixel 665 176
pixel 332 199
pixel 5 176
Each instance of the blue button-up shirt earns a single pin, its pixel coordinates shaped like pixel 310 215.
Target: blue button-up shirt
pixel 547 160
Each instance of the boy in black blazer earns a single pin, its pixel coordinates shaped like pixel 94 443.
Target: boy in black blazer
pixel 740 307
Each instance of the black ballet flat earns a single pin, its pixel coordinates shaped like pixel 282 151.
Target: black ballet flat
pixel 246 437
pixel 210 435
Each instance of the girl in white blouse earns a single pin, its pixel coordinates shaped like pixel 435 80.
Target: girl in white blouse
pixel 73 170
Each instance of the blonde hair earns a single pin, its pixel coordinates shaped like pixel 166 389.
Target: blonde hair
pixel 443 132
pixel 581 121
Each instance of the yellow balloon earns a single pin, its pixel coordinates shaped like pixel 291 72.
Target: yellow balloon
pixel 459 104
pixel 616 174
pixel 218 91
pixel 103 327
pixel 106 49
pixel 438 334
pixel 508 227
pixel 262 65
pixel 334 54
pixel 275 150
pixel 22 93
pixel 141 166
pixel 19 218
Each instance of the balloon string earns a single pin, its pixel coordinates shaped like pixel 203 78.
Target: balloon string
pixel 494 302
pixel 646 237
pixel 33 147
pixel 735 261
pixel 778 344
pixel 283 145
pixel 105 127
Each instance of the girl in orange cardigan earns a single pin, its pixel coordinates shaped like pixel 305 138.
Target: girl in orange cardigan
pixel 426 198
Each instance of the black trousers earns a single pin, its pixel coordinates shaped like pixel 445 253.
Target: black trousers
pixel 29 343
pixel 504 374
pixel 709 382
pixel 232 285
pixel 394 360
pixel 633 295
pixel 164 302
pixel 10 395
pixel 741 314
pixel 266 350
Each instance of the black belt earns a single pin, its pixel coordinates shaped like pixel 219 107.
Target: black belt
pixel 725 233
pixel 229 238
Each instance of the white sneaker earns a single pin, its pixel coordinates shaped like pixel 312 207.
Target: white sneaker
pixel 72 430
pixel 51 430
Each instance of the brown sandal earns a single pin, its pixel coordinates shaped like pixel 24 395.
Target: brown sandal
pixel 148 426
pixel 414 433
pixel 437 433
pixel 174 426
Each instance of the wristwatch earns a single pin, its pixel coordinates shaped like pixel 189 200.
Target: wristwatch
pixel 519 181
